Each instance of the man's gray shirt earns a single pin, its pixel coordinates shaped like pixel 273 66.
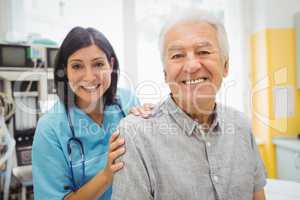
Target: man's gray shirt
pixel 170 157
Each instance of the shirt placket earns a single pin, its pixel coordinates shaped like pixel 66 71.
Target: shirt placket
pixel 216 178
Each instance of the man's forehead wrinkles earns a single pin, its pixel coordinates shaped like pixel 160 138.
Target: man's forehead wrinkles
pixel 179 45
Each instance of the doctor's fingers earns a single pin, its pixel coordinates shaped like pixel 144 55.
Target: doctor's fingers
pixel 116 144
pixel 116 166
pixel 148 106
pixel 141 111
pixel 114 136
pixel 113 155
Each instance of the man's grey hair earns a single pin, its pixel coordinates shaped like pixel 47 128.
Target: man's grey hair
pixel 195 15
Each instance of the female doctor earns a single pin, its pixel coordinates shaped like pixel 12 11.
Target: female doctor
pixel 76 141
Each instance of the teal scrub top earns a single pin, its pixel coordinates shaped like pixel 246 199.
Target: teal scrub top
pixel 50 163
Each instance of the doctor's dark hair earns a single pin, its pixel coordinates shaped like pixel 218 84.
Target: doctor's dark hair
pixel 76 39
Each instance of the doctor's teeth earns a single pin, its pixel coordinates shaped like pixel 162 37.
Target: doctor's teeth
pixel 90 88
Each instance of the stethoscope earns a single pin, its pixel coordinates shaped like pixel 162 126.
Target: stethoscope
pixel 73 141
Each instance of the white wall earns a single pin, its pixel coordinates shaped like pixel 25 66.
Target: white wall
pixel 11 15
pixel 5 19
pixel 235 90
pixel 274 13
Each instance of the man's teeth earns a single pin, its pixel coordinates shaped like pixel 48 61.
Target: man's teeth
pixel 191 82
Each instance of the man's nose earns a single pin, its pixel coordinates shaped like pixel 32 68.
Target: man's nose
pixel 192 64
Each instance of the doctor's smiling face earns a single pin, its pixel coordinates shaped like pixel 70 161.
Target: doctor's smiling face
pixel 86 70
pixel 89 74
pixel 194 65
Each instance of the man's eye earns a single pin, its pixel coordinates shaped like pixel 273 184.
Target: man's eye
pixel 203 52
pixel 177 56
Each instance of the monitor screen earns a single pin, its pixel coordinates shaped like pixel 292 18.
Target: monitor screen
pixel 13 56
pixel 51 55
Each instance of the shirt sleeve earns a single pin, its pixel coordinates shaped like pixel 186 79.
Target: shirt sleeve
pixel 260 172
pixel 51 175
pixel 132 182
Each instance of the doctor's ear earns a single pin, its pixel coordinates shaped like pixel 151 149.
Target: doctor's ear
pixel 112 61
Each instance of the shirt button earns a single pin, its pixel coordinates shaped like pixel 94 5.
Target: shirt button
pixel 216 178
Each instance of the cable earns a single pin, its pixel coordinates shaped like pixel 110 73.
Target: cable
pixel 7 106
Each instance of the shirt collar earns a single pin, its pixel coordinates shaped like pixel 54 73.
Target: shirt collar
pixel 186 122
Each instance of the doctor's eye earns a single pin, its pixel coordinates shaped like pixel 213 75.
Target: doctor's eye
pixel 99 64
pixel 76 66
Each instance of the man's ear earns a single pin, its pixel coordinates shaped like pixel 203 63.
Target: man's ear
pixel 165 75
pixel 226 67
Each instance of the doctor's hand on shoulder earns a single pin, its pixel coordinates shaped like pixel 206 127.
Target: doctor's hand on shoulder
pixel 144 111
pixel 116 149
pixel 116 143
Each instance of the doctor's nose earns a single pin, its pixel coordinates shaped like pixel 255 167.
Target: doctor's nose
pixel 90 74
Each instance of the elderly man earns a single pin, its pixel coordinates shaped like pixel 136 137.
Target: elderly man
pixel 192 147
